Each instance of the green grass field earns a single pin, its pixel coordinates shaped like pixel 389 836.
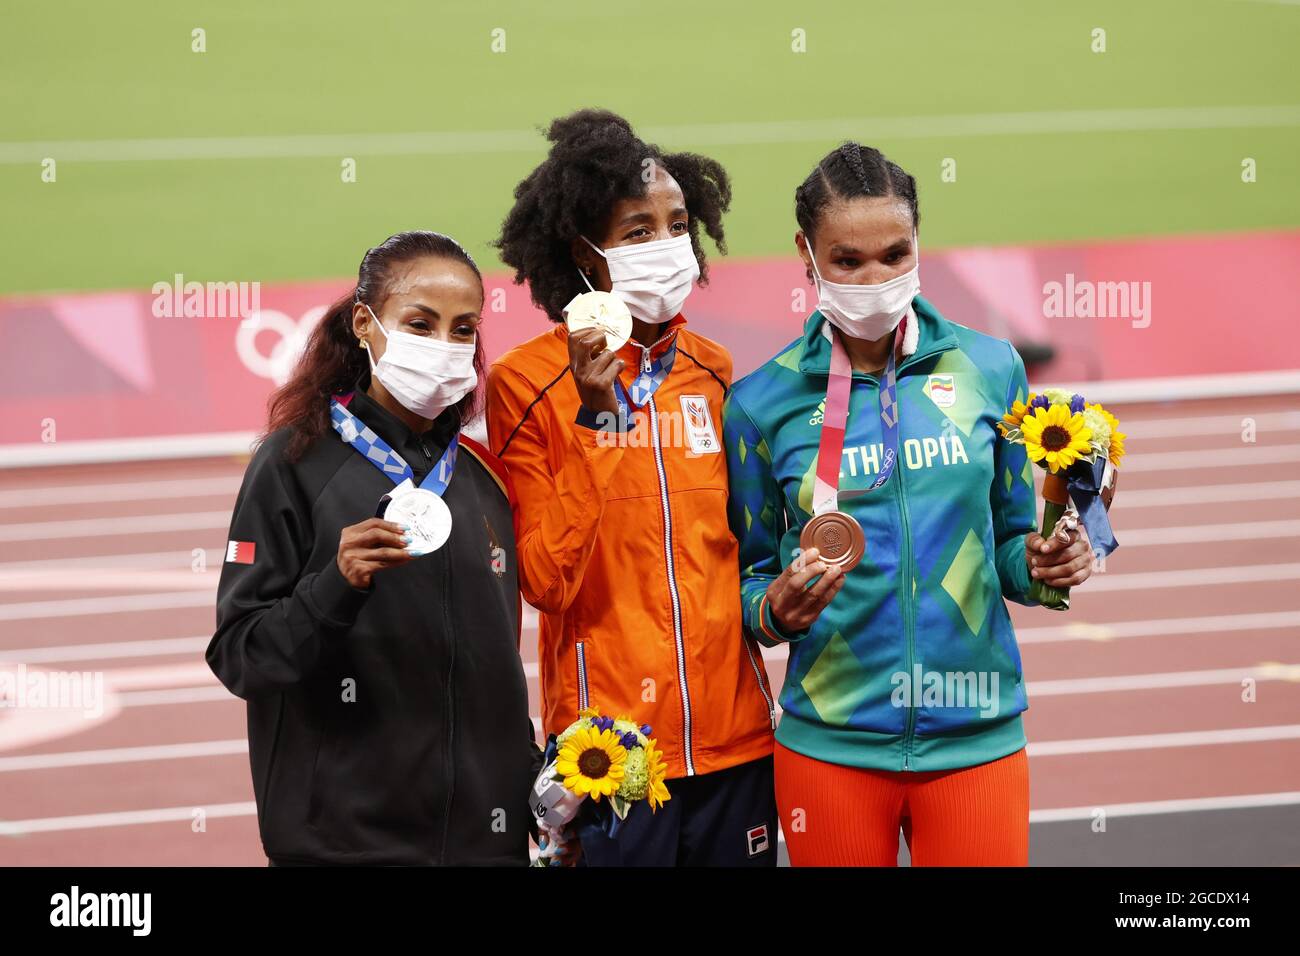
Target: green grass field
pixel 1158 150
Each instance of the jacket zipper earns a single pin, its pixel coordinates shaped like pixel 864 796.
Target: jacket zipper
pixel 909 626
pixel 672 576
pixel 905 600
pixel 753 662
pixel 451 715
pixel 582 675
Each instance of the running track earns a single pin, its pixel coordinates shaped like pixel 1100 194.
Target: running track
pixel 1135 696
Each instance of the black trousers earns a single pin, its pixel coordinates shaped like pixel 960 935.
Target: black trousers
pixel 725 818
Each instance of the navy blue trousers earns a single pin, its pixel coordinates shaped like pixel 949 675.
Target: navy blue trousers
pixel 724 818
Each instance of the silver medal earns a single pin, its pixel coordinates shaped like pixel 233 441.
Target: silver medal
pixel 427 516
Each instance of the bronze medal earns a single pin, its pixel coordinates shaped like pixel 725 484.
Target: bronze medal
pixel 837 537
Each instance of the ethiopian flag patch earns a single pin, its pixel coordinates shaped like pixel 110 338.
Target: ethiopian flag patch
pixel 942 390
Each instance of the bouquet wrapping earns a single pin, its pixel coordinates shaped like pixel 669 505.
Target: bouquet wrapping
pixel 1080 446
pixel 595 773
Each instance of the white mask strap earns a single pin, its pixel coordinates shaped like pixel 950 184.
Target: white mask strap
pixel 590 287
pixel 382 331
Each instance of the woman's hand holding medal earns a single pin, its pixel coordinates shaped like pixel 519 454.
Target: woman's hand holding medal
pixel 794 604
pixel 369 546
pixel 595 367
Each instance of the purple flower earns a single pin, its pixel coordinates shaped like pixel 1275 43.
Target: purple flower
pixel 629 741
pixel 603 723
pixel 1041 401
pixel 1076 403
pixel 645 729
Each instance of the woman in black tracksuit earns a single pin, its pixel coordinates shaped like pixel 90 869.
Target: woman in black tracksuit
pixel 387 707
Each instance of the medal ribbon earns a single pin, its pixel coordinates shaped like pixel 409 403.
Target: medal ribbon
pixel 648 379
pixel 830 450
pixel 380 454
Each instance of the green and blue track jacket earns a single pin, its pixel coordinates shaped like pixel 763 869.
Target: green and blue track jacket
pixel 914 664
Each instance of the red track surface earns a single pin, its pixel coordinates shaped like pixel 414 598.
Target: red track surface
pixel 1181 558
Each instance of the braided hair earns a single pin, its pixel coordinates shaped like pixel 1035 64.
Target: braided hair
pixel 849 171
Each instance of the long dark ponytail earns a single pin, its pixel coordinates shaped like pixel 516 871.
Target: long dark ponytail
pixel 332 360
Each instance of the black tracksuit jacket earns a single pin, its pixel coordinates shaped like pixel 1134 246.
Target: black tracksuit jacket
pixel 385 726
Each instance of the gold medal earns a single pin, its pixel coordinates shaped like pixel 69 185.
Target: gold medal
pixel 601 310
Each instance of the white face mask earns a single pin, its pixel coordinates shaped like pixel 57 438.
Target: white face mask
pixel 652 278
pixel 867 311
pixel 425 374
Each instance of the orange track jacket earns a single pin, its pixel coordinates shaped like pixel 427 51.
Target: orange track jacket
pixel 625 550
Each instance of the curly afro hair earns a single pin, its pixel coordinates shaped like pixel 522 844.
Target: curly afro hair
pixel 596 160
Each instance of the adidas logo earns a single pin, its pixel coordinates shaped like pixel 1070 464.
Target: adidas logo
pixel 819 415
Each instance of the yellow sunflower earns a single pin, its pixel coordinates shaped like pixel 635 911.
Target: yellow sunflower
pixel 1056 435
pixel 592 762
pixel 657 790
pixel 1116 436
pixel 1013 418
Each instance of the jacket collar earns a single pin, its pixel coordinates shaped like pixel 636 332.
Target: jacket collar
pixel 633 353
pixel 928 333
pixel 395 431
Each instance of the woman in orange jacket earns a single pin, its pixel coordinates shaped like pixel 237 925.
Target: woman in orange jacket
pixel 615 455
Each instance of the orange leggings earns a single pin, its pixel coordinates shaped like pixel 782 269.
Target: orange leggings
pixel 834 815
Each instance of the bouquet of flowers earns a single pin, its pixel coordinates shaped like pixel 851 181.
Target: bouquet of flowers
pixel 599 768
pixel 1080 446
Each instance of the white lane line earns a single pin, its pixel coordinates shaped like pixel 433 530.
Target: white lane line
pixel 1211 425
pixel 120 491
pixel 79 607
pixel 1056 634
pixel 1168 388
pixel 476 142
pixel 116 755
pixel 1206 494
pixel 1189 738
pixel 1244 456
pixel 1188 534
pixel 1157 627
pixel 1041 688
pixel 237 445
pixel 105 652
pixel 1047 748
pixel 128 525
pixel 1194 577
pixel 1129 682
pixel 28 582
pixel 96 821
pixel 137 560
pixel 1244 801
pixel 179 695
